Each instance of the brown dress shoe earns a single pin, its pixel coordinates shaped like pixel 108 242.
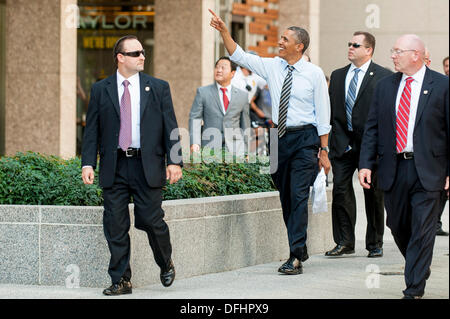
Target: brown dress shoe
pixel 122 288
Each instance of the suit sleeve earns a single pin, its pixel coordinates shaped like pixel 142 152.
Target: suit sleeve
pixel 330 94
pixel 245 116
pixel 245 121
pixel 447 114
pixel 91 132
pixel 171 133
pixel 195 120
pixel 368 154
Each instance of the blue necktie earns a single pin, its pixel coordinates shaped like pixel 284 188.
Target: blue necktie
pixel 350 100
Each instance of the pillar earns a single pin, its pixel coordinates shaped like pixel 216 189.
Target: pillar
pixel 304 14
pixel 40 78
pixel 184 50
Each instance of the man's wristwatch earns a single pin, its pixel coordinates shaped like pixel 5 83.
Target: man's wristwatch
pixel 325 148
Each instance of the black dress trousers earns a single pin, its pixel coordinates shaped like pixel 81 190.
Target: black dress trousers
pixel 412 214
pixel 130 183
pixel 343 207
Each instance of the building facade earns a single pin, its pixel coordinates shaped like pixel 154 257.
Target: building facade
pixel 52 51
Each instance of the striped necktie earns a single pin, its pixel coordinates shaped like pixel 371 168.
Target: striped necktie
pixel 284 102
pixel 350 100
pixel 403 116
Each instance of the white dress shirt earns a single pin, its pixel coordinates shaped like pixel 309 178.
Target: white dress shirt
pixel 135 94
pixel 351 73
pixel 309 102
pixel 241 81
pixel 416 87
pixel 228 93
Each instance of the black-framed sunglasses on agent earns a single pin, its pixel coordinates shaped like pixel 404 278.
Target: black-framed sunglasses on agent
pixel 134 54
pixel 355 45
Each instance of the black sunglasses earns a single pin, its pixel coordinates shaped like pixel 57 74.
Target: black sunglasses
pixel 134 54
pixel 355 45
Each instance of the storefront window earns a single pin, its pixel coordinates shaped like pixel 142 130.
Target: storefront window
pixel 101 24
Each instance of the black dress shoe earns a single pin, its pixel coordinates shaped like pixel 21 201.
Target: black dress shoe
pixel 122 288
pixel 167 275
pixel 292 266
pixel 441 232
pixel 339 250
pixel 374 253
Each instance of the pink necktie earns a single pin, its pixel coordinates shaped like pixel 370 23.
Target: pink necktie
pixel 225 99
pixel 403 116
pixel 125 118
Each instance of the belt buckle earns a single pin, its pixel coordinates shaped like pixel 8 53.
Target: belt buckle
pixel 407 156
pixel 127 154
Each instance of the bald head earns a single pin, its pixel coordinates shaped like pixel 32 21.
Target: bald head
pixel 408 54
pixel 414 42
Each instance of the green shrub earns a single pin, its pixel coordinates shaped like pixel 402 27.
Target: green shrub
pixel 36 179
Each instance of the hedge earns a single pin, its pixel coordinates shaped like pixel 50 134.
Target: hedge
pixel 37 179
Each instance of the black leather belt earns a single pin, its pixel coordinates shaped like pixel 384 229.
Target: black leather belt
pixel 405 155
pixel 130 152
pixel 296 128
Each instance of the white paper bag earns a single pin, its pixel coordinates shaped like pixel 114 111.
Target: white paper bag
pixel 319 194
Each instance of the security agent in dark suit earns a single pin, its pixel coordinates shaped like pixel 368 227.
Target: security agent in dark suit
pixel 129 121
pixel 408 130
pixel 351 89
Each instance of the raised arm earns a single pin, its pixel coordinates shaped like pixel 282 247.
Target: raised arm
pixel 219 25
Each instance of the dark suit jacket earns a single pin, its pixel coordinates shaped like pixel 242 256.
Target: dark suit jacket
pixel 340 136
pixel 431 132
pixel 157 122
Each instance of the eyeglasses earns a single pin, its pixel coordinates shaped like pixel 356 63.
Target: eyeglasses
pixel 134 54
pixel 355 45
pixel 399 51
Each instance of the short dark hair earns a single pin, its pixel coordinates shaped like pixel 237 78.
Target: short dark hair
pixel 232 64
pixel 301 36
pixel 445 59
pixel 118 46
pixel 369 39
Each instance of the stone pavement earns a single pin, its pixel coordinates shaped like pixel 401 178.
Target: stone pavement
pixel 349 277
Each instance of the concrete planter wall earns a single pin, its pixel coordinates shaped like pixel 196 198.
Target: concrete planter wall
pixel 65 245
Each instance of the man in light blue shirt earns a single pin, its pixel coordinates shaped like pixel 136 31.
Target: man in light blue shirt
pixel 301 113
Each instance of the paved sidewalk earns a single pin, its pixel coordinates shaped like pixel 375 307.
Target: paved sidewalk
pixel 349 277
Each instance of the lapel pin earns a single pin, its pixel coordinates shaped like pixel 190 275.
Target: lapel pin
pixel 425 92
pixel 147 88
pixel 371 73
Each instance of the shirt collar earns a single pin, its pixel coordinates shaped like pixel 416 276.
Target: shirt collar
pixel 363 68
pixel 134 79
pixel 227 87
pixel 418 76
pixel 298 65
